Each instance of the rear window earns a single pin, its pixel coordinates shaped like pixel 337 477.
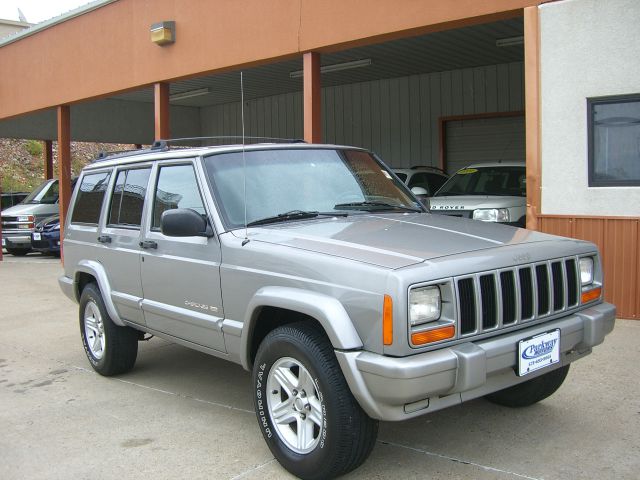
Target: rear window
pixel 90 197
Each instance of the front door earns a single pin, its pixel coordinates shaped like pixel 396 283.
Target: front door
pixel 181 275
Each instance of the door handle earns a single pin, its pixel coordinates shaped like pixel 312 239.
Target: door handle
pixel 148 244
pixel 104 239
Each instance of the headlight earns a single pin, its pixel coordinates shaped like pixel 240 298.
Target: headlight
pixel 424 305
pixel 25 218
pixel 586 271
pixel 57 227
pixel 491 214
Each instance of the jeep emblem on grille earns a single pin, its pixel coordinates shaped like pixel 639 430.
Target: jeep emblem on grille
pixel 522 258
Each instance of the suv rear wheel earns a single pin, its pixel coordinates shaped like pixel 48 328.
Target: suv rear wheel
pixel 310 420
pixel 531 391
pixel 111 349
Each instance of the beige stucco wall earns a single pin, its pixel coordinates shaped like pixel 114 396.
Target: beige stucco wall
pixel 589 48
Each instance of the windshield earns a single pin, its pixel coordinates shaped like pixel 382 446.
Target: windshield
pixel 46 192
pixel 303 180
pixel 501 181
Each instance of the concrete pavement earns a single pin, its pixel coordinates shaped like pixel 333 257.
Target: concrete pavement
pixel 183 414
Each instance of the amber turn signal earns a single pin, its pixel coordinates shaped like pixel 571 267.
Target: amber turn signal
pixel 387 320
pixel 435 335
pixel 591 295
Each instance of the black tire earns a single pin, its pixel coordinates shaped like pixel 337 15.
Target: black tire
pixel 18 252
pixel 347 435
pixel 531 391
pixel 117 353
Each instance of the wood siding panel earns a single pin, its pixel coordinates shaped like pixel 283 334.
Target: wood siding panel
pixel 396 118
pixel 621 247
pixel 618 242
pixel 556 226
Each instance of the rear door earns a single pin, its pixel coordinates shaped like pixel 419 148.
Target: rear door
pixel 181 275
pixel 120 239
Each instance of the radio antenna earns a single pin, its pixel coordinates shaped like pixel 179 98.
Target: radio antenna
pixel 244 162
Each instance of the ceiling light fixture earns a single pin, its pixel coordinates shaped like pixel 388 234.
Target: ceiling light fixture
pixel 336 67
pixel 189 94
pixel 510 41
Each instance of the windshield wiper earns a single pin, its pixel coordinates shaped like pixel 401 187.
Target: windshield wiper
pixel 376 206
pixel 294 215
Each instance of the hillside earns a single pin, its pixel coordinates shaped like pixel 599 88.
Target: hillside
pixel 22 161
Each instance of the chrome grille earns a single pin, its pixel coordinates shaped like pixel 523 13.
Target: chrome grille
pixel 501 298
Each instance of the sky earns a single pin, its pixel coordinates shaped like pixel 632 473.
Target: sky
pixel 37 11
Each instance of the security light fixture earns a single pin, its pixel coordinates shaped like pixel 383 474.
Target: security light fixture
pixel 336 67
pixel 163 33
pixel 510 41
pixel 189 94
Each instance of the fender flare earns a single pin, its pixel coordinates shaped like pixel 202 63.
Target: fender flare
pixel 328 311
pixel 97 271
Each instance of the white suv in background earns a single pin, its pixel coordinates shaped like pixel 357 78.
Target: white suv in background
pixel 491 192
pixel 429 178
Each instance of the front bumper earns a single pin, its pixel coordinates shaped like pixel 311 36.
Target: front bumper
pixel 390 388
pixel 12 240
pixel 49 242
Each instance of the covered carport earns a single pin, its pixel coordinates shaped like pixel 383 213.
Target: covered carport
pixel 400 89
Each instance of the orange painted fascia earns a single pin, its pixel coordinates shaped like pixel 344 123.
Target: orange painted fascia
pixel 333 25
pixel 108 50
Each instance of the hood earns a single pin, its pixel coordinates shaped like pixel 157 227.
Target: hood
pixel 48 223
pixel 392 240
pixel 38 209
pixel 471 202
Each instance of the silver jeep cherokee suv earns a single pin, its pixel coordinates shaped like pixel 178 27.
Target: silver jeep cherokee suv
pixel 314 267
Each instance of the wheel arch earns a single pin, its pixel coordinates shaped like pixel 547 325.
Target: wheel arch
pixel 89 271
pixel 272 307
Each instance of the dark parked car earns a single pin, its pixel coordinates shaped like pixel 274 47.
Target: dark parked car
pixel 46 236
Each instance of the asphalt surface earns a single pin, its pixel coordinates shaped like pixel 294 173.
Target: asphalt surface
pixel 183 414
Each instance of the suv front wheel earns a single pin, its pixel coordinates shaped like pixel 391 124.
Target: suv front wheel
pixel 110 349
pixel 310 420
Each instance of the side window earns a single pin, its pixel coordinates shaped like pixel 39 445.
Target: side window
pixel 128 197
pixel 436 181
pixel 90 197
pixel 177 188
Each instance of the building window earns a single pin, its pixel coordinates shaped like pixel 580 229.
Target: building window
pixel 614 141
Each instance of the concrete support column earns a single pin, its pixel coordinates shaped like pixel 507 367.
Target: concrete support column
pixel 64 162
pixel 532 114
pixel 312 98
pixel 48 159
pixel 161 109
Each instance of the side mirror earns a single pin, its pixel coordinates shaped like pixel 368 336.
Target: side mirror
pixel 184 222
pixel 419 191
pixel 421 194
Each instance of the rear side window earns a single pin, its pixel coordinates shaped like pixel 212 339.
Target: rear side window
pixel 90 197
pixel 177 188
pixel 128 197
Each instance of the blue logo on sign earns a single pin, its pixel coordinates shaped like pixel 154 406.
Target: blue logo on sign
pixel 538 350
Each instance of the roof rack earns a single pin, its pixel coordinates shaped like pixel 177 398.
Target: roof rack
pixel 163 145
pixel 104 155
pixel 239 138
pixel 416 167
